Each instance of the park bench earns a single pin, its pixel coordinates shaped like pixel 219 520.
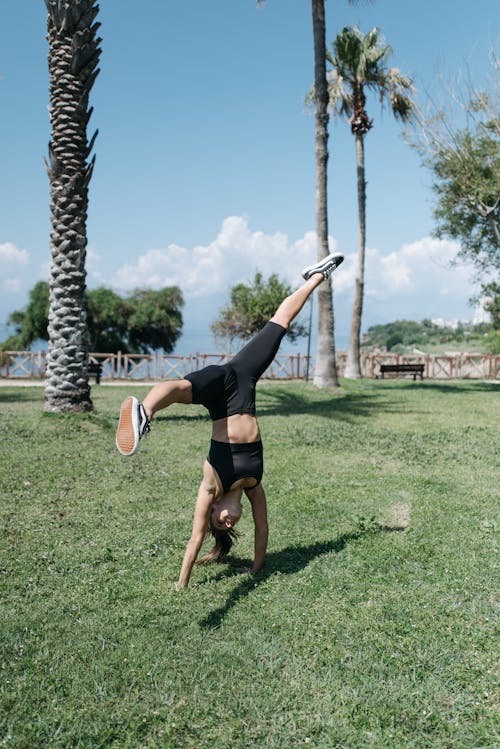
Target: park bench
pixel 413 369
pixel 95 370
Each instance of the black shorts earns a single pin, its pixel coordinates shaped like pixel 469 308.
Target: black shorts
pixel 228 389
pixel 234 461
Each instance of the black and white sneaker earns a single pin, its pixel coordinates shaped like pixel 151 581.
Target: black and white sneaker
pixel 325 267
pixel 133 425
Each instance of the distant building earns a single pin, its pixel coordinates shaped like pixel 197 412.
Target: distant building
pixel 442 323
pixel 480 314
pixel 479 317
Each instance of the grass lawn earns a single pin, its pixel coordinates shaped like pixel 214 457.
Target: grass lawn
pixel 372 624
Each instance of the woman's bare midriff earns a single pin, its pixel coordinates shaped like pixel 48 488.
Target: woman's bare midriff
pixel 239 429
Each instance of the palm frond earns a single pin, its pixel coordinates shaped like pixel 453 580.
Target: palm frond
pixel 359 62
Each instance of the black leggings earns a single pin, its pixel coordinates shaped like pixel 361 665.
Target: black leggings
pixel 257 355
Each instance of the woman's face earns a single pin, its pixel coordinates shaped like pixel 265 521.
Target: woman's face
pixel 226 511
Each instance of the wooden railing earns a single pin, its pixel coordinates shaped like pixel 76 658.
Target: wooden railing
pixel 151 367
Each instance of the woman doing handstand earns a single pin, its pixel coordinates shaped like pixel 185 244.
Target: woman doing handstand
pixel 235 460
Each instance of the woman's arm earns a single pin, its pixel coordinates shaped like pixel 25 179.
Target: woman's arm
pixel 257 499
pixel 203 507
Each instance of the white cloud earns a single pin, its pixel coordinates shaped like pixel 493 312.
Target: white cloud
pixel 414 281
pixel 12 260
pixel 233 256
pixel 10 255
pixel 420 268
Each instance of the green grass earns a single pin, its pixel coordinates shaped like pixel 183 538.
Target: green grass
pixel 372 624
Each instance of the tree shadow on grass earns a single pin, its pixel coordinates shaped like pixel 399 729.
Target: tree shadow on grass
pixel 177 418
pixel 286 402
pixel 21 394
pixel 281 401
pixel 288 561
pixel 462 386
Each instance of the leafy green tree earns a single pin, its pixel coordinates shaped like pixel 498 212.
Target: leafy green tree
pixel 359 64
pixel 31 323
pixel 405 332
pixel 492 294
pixel 137 323
pixel 402 334
pixel 393 340
pixel 467 190
pixel 106 321
pixel 250 308
pixel 154 319
pixel 460 144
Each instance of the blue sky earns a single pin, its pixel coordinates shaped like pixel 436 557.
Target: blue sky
pixel 205 154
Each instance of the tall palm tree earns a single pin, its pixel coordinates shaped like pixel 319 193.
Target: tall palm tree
pixel 359 64
pixel 325 374
pixel 73 56
pixel 326 367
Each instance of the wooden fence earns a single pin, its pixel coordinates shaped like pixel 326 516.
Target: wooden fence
pixel 150 367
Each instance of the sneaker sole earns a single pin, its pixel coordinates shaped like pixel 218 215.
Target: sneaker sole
pixel 127 440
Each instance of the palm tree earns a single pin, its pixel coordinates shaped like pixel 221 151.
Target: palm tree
pixel 73 56
pixel 359 64
pixel 325 374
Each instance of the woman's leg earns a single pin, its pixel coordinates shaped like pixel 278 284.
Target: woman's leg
pixel 292 305
pixel 256 356
pixel 165 393
pixel 135 416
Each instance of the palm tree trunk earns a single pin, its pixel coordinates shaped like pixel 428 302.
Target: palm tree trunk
pixel 73 55
pixel 353 363
pixel 325 374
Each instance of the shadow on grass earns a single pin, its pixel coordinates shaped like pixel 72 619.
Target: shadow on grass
pixel 171 417
pixel 21 394
pixel 281 401
pixel 288 561
pixel 347 405
pixel 285 402
pixel 463 386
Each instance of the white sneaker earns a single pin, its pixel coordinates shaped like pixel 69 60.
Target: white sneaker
pixel 325 266
pixel 133 425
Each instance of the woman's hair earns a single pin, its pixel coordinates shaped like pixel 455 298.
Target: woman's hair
pixel 223 543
